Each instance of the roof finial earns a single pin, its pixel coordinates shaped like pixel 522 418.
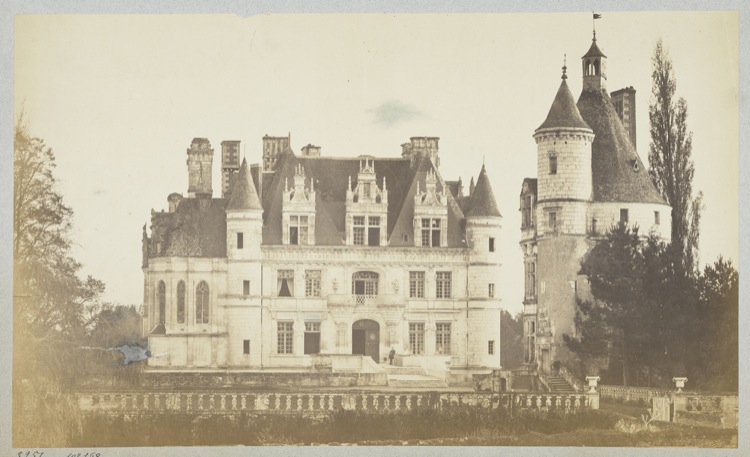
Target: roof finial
pixel 565 66
pixel 593 21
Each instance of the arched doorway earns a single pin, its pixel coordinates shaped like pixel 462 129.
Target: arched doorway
pixel 366 338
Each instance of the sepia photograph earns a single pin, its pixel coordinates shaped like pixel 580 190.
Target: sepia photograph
pixel 505 230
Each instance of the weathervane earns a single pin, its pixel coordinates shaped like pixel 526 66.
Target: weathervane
pixel 596 16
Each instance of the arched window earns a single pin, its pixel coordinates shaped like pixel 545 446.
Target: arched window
pixel 201 303
pixel 162 300
pixel 364 284
pixel 596 67
pixel 181 302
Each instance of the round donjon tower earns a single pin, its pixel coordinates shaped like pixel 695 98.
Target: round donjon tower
pixel 564 193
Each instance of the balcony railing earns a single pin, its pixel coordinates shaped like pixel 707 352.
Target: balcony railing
pixel 365 300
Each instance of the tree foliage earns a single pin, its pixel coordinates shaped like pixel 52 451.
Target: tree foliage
pixel 511 340
pixel 670 158
pixel 55 310
pixel 608 327
pixel 718 289
pixel 646 321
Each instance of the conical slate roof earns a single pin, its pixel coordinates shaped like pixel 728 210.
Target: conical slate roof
pixel 564 112
pixel 594 50
pixel 482 201
pixel 618 175
pixel 244 195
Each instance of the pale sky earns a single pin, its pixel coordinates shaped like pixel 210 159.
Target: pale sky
pixel 119 99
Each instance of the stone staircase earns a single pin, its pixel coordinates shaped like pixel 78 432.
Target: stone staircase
pixel 411 377
pixel 559 384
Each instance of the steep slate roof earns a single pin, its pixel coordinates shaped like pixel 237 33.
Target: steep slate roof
pixel 197 228
pixel 618 174
pixel 482 202
pixel 564 112
pixel 331 176
pixel 244 195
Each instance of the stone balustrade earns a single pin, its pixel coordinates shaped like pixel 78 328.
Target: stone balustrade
pixel 622 393
pixel 212 402
pixel 366 300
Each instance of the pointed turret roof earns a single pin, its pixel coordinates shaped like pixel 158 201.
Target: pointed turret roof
pixel 594 50
pixel 482 201
pixel 564 113
pixel 244 195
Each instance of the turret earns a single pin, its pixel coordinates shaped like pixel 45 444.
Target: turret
pixel 244 218
pixel 564 166
pixel 594 64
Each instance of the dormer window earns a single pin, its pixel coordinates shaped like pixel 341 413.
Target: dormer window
pixel 299 210
pixel 366 230
pixel 358 230
pixel 298 230
pixel 366 207
pixel 431 231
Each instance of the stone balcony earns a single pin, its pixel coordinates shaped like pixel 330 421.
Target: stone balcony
pixel 384 300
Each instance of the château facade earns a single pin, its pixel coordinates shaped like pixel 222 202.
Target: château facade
pixel 307 256
pixel 589 178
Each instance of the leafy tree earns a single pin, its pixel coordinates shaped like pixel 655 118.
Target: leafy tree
pixel 511 340
pixel 53 307
pixel 609 326
pixel 670 158
pixel 718 289
pixel 115 325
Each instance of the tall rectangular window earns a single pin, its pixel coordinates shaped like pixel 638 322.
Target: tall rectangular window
pixel 181 302
pixel 416 337
pixel 358 230
pixel 443 338
pixel 624 216
pixel 492 244
pixel 416 284
pixel 526 214
pixel 431 231
pixel 298 230
pixel 531 280
pixel 491 347
pixel 553 165
pixel 312 283
pixel 443 284
pixel 246 287
pixel 373 231
pixel 285 283
pixel 312 337
pixel 285 337
pixel 246 346
pixel 657 219
pixel 552 220
pixel 240 240
pixel 491 290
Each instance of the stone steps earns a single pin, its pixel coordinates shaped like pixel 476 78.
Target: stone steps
pixel 396 370
pixel 415 381
pixel 559 384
